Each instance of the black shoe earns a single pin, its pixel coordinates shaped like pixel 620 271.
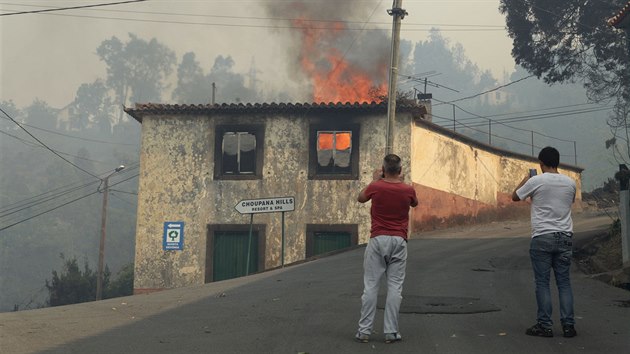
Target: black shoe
pixel 569 331
pixel 539 331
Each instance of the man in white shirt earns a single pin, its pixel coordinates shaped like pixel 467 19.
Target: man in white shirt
pixel 551 245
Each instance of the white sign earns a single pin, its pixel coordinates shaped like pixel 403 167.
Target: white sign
pixel 266 205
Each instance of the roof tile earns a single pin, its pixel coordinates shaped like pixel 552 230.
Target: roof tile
pixel 142 109
pixel 620 16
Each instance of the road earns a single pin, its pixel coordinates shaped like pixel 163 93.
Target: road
pixel 467 291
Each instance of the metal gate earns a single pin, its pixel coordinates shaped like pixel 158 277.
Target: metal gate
pixel 330 241
pixel 230 254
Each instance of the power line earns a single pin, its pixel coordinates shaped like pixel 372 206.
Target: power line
pixel 488 91
pixel 483 132
pixel 74 137
pixel 62 205
pixel 28 143
pixel 541 109
pixel 46 197
pixel 46 146
pixel 500 122
pixel 70 8
pixel 273 26
pixel 21 207
pixel 496 27
pixel 546 116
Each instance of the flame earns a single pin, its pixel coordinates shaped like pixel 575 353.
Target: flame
pixel 333 77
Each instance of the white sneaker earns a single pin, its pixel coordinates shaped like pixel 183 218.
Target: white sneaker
pixel 392 337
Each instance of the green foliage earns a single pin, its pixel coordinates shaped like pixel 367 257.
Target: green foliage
pixel 73 285
pixel 136 70
pixel 123 284
pixel 570 40
pixel 195 87
pixel 40 114
pixel 565 39
pixel 92 106
pixel 11 109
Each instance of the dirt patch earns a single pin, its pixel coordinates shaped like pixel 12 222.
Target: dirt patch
pixel 604 197
pixel 601 257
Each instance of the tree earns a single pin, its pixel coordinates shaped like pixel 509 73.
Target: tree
pixel 192 85
pixel 92 105
pixel 452 65
pixel 73 285
pixel 40 114
pixel 11 109
pixel 136 70
pixel 565 40
pixel 123 284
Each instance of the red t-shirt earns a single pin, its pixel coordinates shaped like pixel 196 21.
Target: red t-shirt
pixel 390 207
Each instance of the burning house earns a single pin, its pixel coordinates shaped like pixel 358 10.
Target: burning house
pixel 198 163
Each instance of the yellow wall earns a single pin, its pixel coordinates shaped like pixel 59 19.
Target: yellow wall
pixel 462 177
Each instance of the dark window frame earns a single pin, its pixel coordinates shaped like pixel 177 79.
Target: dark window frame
pixel 354 156
pixel 311 229
pixel 212 228
pixel 258 130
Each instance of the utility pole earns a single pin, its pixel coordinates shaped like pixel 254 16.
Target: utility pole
pixel 101 248
pixel 398 14
pixel 214 90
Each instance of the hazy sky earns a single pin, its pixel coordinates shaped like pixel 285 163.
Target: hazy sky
pixel 49 55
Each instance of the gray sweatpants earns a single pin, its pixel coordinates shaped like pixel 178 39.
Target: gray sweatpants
pixel 383 255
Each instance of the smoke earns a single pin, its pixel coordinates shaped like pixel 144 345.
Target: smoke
pixel 332 48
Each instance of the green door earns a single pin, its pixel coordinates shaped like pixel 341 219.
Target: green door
pixel 330 241
pixel 230 254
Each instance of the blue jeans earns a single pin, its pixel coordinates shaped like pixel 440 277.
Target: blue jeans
pixel 553 251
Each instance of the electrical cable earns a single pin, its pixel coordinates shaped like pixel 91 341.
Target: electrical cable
pixel 62 205
pixel 70 8
pixel 463 27
pixel 52 194
pixel 74 137
pixel 488 91
pixel 28 143
pixel 274 26
pixel 46 146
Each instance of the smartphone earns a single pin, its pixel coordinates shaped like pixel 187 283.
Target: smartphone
pixel 532 172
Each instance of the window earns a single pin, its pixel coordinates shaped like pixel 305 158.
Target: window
pixel 239 152
pixel 334 152
pixel 329 238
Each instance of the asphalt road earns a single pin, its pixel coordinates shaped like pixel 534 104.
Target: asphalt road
pixel 467 291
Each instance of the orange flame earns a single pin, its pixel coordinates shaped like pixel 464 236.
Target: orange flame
pixel 333 77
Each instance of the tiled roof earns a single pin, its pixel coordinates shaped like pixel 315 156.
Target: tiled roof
pixel 142 109
pixel 617 20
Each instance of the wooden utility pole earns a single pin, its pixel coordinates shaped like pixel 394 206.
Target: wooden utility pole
pixel 101 248
pixel 398 14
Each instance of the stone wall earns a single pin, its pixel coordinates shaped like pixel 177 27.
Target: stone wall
pixel 177 184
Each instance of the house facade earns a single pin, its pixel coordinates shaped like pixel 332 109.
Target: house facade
pixel 197 162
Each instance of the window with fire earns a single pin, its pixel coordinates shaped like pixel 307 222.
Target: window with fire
pixel 334 152
pixel 334 149
pixel 239 152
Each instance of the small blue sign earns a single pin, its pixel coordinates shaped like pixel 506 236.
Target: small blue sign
pixel 173 236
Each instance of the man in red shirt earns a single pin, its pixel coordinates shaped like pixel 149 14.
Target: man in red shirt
pixel 386 252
